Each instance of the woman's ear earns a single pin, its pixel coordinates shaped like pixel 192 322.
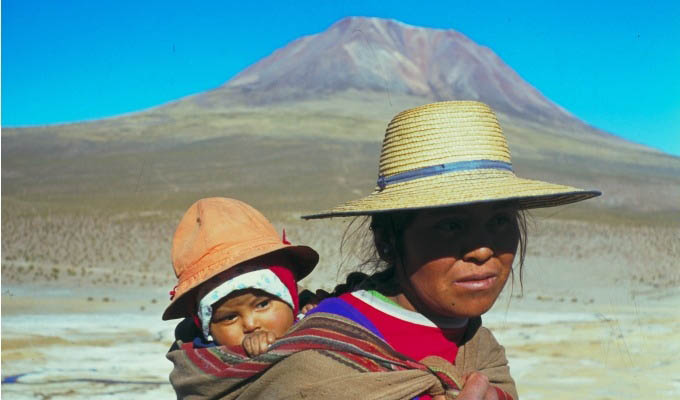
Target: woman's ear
pixel 384 246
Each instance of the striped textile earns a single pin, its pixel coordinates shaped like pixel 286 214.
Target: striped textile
pixel 398 326
pixel 341 340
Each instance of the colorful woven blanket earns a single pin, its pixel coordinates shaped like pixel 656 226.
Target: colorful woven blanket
pixel 323 355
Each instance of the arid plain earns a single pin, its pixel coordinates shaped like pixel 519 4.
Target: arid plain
pixel 597 317
pixel 88 211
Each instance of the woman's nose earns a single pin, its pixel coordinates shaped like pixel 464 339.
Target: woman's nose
pixel 478 245
pixel 478 255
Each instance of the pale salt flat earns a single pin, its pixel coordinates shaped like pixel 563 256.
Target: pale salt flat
pixel 557 350
pixel 611 350
pixel 87 356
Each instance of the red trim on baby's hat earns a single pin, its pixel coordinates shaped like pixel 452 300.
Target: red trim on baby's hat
pixel 284 240
pixel 287 277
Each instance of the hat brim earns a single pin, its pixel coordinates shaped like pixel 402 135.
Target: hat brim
pixel 458 189
pixel 305 259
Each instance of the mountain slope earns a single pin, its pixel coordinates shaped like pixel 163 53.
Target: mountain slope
pixel 388 56
pixel 333 90
pixel 360 69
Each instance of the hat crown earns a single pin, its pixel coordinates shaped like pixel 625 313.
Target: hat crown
pixel 447 154
pixel 442 133
pixel 214 225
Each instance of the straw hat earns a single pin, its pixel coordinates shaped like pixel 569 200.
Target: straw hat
pixel 446 154
pixel 217 234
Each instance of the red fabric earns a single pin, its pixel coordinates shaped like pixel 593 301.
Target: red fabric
pixel 502 395
pixel 286 276
pixel 413 340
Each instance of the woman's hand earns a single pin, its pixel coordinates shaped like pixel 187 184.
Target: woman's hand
pixel 258 342
pixel 476 387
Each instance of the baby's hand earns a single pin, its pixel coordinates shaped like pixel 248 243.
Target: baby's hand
pixel 258 342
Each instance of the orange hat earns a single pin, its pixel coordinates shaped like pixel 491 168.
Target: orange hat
pixel 216 234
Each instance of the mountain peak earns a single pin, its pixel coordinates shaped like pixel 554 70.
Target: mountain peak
pixel 385 55
pixel 363 22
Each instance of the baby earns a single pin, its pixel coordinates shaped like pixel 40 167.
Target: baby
pixel 236 279
pixel 255 316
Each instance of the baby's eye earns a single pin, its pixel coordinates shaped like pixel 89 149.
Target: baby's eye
pixel 231 317
pixel 263 303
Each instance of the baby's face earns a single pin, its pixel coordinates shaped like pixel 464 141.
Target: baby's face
pixel 247 311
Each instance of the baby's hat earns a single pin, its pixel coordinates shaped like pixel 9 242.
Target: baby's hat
pixel 276 280
pixel 215 236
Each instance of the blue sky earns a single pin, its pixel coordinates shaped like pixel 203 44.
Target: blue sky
pixel 615 65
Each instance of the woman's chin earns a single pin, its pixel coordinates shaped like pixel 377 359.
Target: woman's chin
pixel 472 309
pixel 459 310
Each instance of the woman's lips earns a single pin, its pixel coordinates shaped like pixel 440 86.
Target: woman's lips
pixel 476 282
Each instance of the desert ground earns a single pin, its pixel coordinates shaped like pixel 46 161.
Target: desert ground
pixel 596 316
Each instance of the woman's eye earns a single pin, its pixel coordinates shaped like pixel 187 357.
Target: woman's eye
pixel 501 221
pixel 451 226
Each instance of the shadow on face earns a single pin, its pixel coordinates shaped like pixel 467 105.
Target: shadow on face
pixel 454 261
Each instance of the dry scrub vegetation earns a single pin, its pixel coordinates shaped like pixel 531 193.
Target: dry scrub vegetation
pixel 647 254
pixel 134 250
pixel 86 250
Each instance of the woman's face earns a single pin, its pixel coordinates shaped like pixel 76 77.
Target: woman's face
pixel 456 260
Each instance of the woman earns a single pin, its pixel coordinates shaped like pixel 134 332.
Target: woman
pixel 446 218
